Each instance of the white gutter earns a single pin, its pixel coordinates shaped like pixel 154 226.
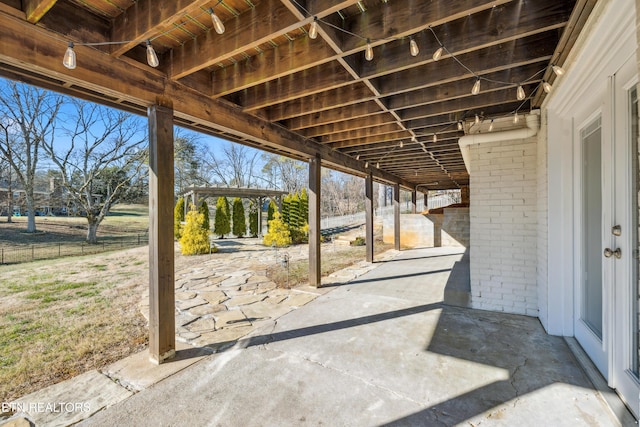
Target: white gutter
pixel 533 124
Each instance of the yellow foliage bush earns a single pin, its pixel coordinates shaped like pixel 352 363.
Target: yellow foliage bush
pixel 195 238
pixel 278 234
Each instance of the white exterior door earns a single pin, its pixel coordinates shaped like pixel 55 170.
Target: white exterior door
pixel 606 286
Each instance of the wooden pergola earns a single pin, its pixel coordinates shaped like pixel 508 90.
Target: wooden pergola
pixel 259 194
pixel 376 88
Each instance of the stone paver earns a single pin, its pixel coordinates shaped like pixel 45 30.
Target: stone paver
pixel 228 295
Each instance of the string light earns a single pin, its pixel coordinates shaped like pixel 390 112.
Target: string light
pixel 217 23
pixel 558 70
pixel 152 58
pixel 366 164
pixel 491 125
pixel 413 47
pixel 435 138
pixel 401 144
pixel 378 165
pixel 69 59
pixel 368 53
pixel 516 118
pixel 313 30
pixel 460 126
pixel 476 87
pixel 438 53
pixel 477 121
pixel 358 156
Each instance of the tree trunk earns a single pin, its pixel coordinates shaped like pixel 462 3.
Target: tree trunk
pixel 92 230
pixel 9 199
pixel 31 216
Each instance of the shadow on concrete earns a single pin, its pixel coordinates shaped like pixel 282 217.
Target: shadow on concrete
pixel 399 276
pixel 457 290
pixel 415 258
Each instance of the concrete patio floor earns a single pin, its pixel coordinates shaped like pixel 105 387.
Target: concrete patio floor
pixel 380 350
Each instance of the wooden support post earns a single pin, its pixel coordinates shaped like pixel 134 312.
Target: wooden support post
pixel 259 216
pixel 368 208
pixel 414 202
pixel 396 216
pixel 162 334
pixel 314 221
pixel 426 200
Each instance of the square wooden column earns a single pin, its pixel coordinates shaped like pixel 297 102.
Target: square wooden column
pixel 414 201
pixel 426 200
pixel 260 200
pixel 396 216
pixel 162 334
pixel 314 221
pixel 368 209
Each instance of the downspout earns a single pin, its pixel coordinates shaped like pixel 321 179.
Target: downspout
pixel 533 124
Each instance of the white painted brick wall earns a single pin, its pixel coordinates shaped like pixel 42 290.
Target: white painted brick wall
pixel 504 184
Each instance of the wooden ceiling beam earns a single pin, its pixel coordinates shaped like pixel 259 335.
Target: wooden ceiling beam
pixel 360 133
pixel 396 20
pixel 34 49
pixel 488 28
pixel 386 138
pixel 517 53
pixel 267 20
pixel 346 125
pixel 462 88
pixel 355 93
pixel 146 19
pixel 463 104
pixel 328 119
pixel 36 9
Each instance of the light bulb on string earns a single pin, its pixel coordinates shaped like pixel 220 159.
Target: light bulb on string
pixel 477 121
pixel 217 22
pixel 558 70
pixel 313 29
pixel 435 138
pixel 358 156
pixel 476 87
pixel 413 47
pixel 460 126
pixel 491 125
pixel 368 53
pixel 546 87
pixel 401 144
pixel 69 59
pixel 520 93
pixel 366 164
pixel 152 58
pixel 438 53
pixel 378 165
pixel 516 118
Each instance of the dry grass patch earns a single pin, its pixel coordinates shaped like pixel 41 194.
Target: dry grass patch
pixel 333 259
pixel 61 318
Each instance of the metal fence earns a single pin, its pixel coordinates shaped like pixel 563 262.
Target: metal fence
pixel 334 222
pixel 18 254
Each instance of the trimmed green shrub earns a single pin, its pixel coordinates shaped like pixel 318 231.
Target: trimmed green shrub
pixel 304 206
pixel 178 218
pixel 239 219
pixel 278 234
pixel 253 218
pixel 222 219
pixel 195 239
pixel 270 211
pixel 286 202
pixel 204 210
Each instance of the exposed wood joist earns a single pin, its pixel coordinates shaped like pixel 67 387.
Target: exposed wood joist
pixel 36 9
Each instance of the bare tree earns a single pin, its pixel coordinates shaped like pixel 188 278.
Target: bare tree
pixel 236 166
pixel 103 160
pixel 189 160
pixel 285 173
pixel 27 119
